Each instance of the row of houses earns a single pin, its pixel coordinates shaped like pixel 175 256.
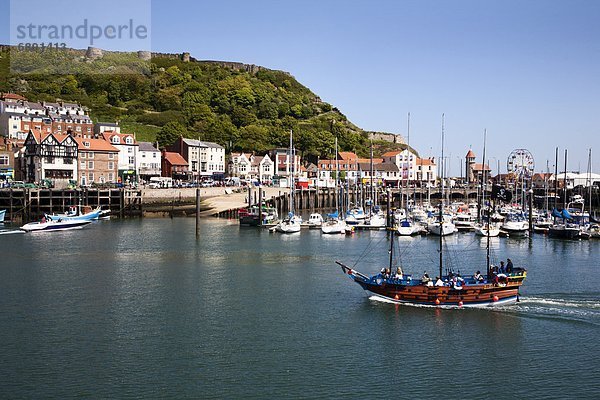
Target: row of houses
pixel 59 142
pixel 392 169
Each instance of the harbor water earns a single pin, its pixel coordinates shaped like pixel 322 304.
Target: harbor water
pixel 142 309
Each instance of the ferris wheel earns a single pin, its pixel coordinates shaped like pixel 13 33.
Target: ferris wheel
pixel 520 163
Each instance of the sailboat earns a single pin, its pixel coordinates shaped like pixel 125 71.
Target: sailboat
pixel 333 223
pixel 442 225
pixel 406 226
pixel 292 223
pixel 450 290
pixel 487 229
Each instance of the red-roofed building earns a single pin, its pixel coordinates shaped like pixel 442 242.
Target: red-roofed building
pixel 174 166
pixel 406 161
pixel 426 171
pixel 346 164
pixel 128 153
pixel 98 161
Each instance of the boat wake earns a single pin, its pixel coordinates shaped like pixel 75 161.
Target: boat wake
pixel 567 309
pixel 10 232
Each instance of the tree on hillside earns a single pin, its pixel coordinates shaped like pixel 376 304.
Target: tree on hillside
pixel 170 133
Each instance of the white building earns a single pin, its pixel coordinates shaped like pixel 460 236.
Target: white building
pixel 262 168
pixel 240 165
pixel 406 161
pixel 148 161
pixel 128 153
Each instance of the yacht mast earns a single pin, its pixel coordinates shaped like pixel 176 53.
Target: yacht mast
pixel 590 183
pixel 555 180
pixel 372 187
pixel 442 201
pixel 487 246
pixel 565 184
pixel 337 173
pixel 292 165
pixel 407 172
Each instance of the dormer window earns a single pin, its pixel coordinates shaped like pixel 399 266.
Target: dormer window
pixel 86 144
pixel 128 140
pixel 115 139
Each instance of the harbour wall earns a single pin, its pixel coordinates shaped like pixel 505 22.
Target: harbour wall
pixel 31 204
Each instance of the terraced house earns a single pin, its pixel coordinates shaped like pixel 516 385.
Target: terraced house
pixel 98 161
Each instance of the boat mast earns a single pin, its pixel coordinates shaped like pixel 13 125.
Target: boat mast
pixel 442 201
pixel 372 187
pixel 487 245
pixel 407 172
pixel 555 180
pixel 337 173
pixel 293 161
pixel 565 183
pixel 590 183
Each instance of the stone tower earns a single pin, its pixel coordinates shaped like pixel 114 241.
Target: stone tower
pixel 469 164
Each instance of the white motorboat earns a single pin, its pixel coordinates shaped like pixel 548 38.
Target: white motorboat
pixel 85 213
pixel 492 230
pixel 315 220
pixel 464 221
pixel 407 227
pixel 444 229
pixel 515 225
pixel 47 225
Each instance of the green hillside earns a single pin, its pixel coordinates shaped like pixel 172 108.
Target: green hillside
pixel 250 111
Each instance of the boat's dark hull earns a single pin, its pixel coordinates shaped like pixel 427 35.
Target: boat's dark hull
pixel 566 233
pixel 475 295
pixel 249 220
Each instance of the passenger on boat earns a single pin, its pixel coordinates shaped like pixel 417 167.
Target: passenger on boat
pixel 478 277
pixel 502 268
pixel 439 281
pixel 426 280
pixel 399 274
pixel 509 266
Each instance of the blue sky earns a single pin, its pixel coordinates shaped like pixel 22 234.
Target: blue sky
pixel 527 71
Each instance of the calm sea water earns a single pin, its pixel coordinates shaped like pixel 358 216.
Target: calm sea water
pixel 141 309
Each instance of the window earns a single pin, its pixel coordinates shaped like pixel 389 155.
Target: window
pixel 78 129
pixel 83 154
pixel 86 144
pixel 111 165
pixel 111 176
pixel 26 127
pixel 3 159
pixel 130 149
pixel 128 140
pixel 59 128
pixel 82 165
pixel 89 129
pixel 153 155
pixel 131 160
pixel 91 177
pixel 115 139
pixel 90 154
pixel 111 156
pixel 90 165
